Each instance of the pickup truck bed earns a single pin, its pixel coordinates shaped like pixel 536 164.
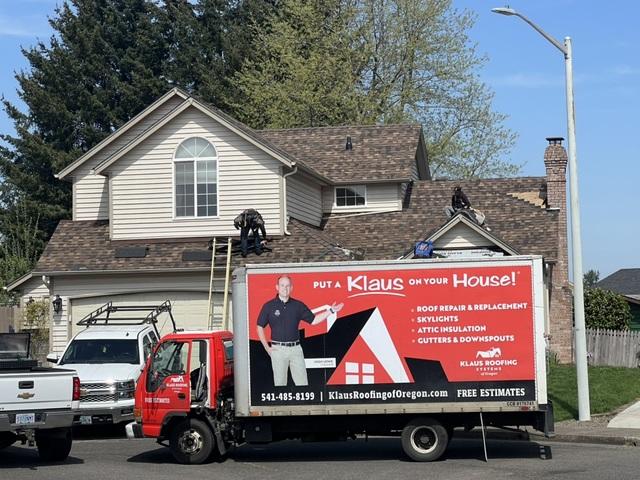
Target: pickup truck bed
pixel 37 406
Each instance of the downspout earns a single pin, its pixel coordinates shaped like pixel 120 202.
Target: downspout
pixel 284 193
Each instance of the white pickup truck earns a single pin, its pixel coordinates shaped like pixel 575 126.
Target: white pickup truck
pixel 109 355
pixel 37 405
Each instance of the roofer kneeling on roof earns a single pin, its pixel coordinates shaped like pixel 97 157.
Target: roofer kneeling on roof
pixel 250 220
pixel 460 204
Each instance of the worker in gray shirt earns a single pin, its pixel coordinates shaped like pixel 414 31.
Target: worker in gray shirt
pixel 284 314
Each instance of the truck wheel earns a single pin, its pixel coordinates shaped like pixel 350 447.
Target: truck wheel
pixel 54 445
pixel 7 439
pixel 191 441
pixel 424 439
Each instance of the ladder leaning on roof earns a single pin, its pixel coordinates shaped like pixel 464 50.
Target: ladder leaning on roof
pixel 227 278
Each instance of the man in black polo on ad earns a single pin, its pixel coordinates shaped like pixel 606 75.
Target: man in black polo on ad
pixel 283 314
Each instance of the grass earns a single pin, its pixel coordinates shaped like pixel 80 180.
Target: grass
pixel 609 389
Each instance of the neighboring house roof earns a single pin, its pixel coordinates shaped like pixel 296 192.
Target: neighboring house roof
pixel 525 227
pixel 625 282
pixel 380 152
pixel 84 246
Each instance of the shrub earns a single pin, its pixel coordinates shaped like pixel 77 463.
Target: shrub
pixel 606 309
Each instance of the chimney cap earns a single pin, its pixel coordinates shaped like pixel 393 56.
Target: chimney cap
pixel 555 140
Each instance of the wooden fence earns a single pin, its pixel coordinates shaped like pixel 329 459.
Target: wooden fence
pixel 10 319
pixel 616 348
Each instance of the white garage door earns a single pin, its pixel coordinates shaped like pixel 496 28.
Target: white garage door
pixel 189 308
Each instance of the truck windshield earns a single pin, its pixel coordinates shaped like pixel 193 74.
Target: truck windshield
pixel 170 359
pixel 102 351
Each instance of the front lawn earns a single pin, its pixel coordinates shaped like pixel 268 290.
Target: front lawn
pixel 609 387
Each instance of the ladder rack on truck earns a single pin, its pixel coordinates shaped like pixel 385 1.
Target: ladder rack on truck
pixel 103 315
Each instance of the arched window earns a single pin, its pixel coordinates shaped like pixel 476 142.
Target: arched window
pixel 196 179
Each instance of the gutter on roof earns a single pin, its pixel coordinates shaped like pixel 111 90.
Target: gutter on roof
pixel 377 180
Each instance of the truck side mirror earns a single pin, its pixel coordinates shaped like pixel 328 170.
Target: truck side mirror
pixel 53 358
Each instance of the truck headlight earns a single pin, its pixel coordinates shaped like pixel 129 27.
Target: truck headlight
pixel 126 389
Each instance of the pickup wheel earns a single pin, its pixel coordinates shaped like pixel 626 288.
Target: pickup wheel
pixel 191 441
pixel 54 445
pixel 7 439
pixel 424 439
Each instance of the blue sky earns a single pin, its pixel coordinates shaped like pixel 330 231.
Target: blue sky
pixel 527 75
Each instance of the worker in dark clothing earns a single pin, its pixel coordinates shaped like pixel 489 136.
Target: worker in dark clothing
pixel 459 201
pixel 250 220
pixel 460 204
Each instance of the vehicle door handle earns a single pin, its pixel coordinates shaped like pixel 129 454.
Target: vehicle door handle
pixel 182 396
pixel 25 385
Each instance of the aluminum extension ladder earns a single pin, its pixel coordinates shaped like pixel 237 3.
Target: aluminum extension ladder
pixel 227 281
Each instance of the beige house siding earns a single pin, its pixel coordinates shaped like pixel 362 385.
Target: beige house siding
pixel 80 293
pixel 304 199
pixel 90 192
pixel 142 183
pixel 380 197
pixel 37 290
pixel 461 236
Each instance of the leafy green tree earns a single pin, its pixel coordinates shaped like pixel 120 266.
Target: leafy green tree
pixel 606 309
pixel 334 62
pixel 305 71
pixel 591 278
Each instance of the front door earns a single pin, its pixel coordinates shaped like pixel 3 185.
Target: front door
pixel 167 385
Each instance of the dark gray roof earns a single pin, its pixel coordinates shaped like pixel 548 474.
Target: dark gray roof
pixel 380 152
pixel 624 282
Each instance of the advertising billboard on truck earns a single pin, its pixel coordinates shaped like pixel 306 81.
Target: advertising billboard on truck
pixel 409 332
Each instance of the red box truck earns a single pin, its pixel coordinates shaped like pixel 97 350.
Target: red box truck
pixel 331 351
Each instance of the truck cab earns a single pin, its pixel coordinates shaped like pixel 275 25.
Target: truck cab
pixel 183 391
pixel 109 355
pixel 108 360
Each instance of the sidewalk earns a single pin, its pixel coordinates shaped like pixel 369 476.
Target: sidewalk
pixel 622 428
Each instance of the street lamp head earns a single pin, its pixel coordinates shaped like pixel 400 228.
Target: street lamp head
pixel 504 11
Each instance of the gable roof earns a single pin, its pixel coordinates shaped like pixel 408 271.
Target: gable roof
pixel 109 139
pixel 461 219
pixel 380 152
pixel 625 282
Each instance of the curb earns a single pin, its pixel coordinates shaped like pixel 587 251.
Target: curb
pixel 629 441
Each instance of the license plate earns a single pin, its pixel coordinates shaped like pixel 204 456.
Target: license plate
pixel 85 420
pixel 25 418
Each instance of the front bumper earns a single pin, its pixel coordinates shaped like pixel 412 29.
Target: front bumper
pixel 134 430
pixel 44 421
pixel 104 415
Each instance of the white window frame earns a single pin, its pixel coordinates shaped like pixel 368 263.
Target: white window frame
pixel 335 196
pixel 195 181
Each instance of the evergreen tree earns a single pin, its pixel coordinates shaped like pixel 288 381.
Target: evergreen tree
pixel 102 66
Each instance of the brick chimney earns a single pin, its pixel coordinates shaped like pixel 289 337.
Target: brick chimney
pixel 555 161
pixel 560 304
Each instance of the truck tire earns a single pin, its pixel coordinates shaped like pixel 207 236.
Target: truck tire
pixel 7 439
pixel 54 445
pixel 191 441
pixel 424 439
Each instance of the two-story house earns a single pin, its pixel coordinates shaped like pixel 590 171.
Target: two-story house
pixel 148 198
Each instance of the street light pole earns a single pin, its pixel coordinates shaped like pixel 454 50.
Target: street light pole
pixel 584 413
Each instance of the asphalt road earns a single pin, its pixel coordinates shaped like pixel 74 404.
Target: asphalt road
pixel 110 459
